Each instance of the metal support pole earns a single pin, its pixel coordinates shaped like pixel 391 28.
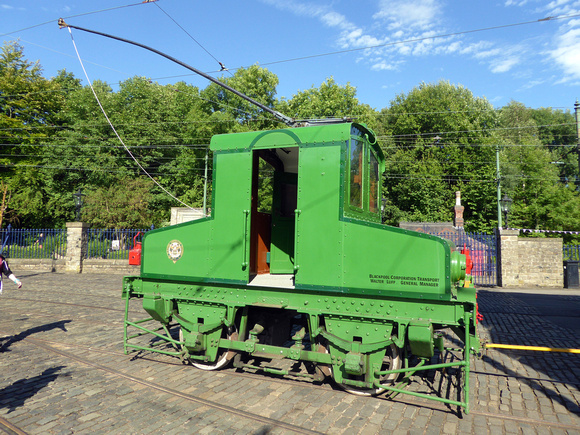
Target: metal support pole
pixel 576 110
pixel 205 185
pixel 499 222
pixel 467 320
pixel 125 321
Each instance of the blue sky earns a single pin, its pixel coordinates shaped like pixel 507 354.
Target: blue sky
pixel 382 47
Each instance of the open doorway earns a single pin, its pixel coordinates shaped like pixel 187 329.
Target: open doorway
pixel 274 200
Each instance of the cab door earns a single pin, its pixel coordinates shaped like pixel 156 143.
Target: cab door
pixel 284 202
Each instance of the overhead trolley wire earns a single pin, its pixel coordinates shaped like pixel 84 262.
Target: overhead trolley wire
pixel 74 16
pixel 425 38
pixel 222 66
pixel 99 169
pixel 115 131
pixel 393 43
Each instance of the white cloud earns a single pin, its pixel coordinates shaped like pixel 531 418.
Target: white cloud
pixel 384 65
pixel 11 8
pixel 416 21
pixel 334 19
pixel 502 65
pixel 567 53
pixel 533 83
pixel 557 4
pixel 409 14
pixel 561 7
pixel 516 3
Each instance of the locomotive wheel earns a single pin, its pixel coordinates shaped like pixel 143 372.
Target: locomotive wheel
pixel 223 357
pixel 391 361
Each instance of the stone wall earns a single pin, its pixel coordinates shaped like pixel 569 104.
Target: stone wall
pixel 96 265
pixel 74 260
pixel 527 262
pixel 76 246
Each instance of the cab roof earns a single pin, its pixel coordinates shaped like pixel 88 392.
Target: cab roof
pixel 288 137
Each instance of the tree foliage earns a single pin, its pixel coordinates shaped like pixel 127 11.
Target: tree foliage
pixel 123 205
pixel 437 140
pixel 530 173
pixel 329 100
pixel 30 109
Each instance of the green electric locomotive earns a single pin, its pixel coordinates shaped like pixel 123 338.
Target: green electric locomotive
pixel 317 279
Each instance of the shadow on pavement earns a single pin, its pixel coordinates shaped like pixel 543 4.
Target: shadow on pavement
pixel 16 394
pixel 528 319
pixel 6 342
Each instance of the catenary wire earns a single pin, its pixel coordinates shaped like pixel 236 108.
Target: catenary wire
pixel 449 178
pixel 446 35
pixel 406 41
pixel 117 134
pixel 73 16
pixel 223 68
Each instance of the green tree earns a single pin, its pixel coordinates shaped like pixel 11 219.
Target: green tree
pixel 557 131
pixel 123 205
pixel 438 140
pixel 540 199
pixel 29 117
pixel 229 113
pixel 329 100
pixel 154 123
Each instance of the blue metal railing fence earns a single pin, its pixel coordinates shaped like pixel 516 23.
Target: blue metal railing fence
pixel 571 252
pixel 483 251
pixel 52 243
pixel 33 243
pixel 116 244
pixel 112 244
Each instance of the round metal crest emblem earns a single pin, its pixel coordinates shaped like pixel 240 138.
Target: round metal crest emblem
pixel 174 250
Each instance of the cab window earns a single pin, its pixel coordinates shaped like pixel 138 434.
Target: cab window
pixel 374 180
pixel 364 178
pixel 356 173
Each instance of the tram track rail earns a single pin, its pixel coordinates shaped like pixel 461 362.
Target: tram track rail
pixel 138 312
pixel 51 346
pixel 94 307
pixel 9 428
pixel 175 393
pixel 233 372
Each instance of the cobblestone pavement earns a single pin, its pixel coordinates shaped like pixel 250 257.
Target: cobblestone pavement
pixel 63 371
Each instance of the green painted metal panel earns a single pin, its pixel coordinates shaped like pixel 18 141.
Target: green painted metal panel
pixel 283 227
pixel 373 309
pixel 384 258
pixel 339 253
pixel 280 138
pixel 213 248
pixel 369 285
pixel 319 244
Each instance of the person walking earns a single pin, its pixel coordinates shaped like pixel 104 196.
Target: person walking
pixel 5 269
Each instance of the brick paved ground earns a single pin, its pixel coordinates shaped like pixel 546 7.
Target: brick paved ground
pixel 63 371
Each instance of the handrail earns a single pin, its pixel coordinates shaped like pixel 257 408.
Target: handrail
pixel 245 239
pixel 296 216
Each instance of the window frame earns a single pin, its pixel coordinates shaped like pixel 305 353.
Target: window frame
pixel 359 137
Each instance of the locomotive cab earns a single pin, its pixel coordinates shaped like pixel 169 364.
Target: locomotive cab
pixel 322 195
pixel 323 224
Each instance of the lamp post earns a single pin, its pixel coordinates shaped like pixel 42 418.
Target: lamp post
pixel 506 205
pixel 78 197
